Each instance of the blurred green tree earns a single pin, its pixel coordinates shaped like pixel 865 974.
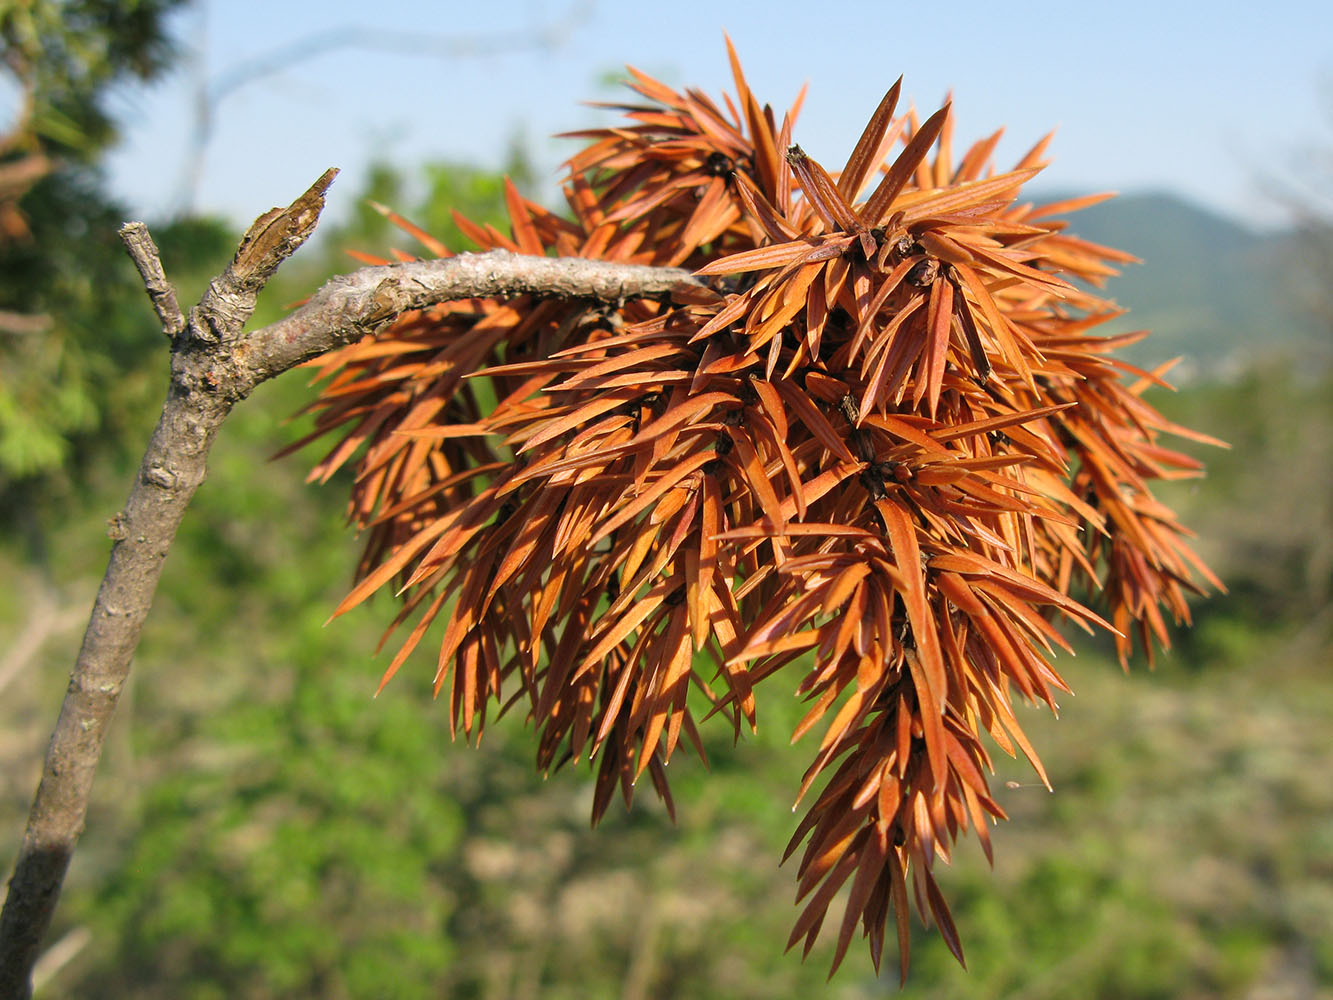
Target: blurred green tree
pixel 79 370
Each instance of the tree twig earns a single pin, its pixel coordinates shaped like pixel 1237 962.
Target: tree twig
pixel 17 176
pixel 23 324
pixel 44 618
pixel 353 305
pixel 213 366
pixel 143 251
pixel 210 93
pixel 60 955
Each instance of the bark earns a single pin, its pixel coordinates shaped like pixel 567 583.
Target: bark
pixel 214 366
pixel 349 307
pixel 143 251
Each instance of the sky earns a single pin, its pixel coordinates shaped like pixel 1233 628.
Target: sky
pixel 1218 102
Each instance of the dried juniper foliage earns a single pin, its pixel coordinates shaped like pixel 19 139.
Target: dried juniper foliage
pixel 886 453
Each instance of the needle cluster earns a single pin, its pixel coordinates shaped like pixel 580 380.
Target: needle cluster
pixel 883 452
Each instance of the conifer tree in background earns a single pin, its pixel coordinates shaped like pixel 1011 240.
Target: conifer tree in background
pixel 881 453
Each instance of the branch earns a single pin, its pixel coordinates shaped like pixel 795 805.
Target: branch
pixel 45 618
pixel 143 251
pixel 213 366
pixel 23 324
pixel 60 955
pixel 350 307
pixel 17 176
pixel 209 95
pixel 368 37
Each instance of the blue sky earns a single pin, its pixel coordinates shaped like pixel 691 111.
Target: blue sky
pixel 1212 101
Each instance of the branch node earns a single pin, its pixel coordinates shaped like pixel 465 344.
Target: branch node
pixel 230 299
pixel 277 234
pixel 160 477
pixel 117 528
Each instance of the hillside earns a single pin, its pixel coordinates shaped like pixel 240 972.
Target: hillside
pixel 1208 287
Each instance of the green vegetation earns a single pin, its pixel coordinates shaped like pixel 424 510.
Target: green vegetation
pixel 263 828
pixel 74 354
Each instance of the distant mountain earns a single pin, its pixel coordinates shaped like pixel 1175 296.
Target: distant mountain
pixel 1209 288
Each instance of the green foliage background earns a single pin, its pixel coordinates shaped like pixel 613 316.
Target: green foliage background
pixel 263 828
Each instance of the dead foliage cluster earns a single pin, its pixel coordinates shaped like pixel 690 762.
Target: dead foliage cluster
pixel 883 454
